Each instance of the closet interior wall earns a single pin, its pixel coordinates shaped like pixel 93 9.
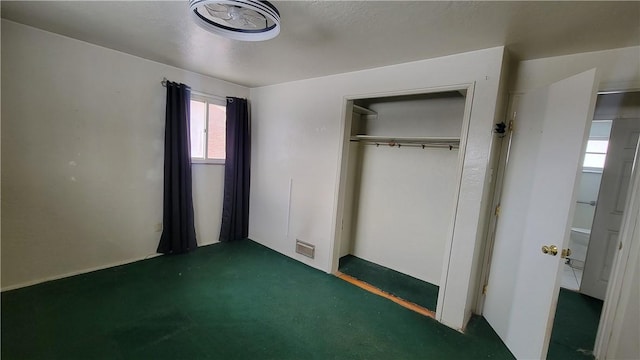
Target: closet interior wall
pixel 400 199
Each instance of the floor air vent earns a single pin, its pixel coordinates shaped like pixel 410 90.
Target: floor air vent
pixel 305 249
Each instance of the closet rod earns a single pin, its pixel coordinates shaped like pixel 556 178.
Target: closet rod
pixel 400 144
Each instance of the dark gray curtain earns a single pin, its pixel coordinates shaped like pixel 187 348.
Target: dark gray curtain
pixel 178 234
pixel 235 208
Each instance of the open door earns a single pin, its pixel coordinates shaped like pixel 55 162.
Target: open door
pixel 538 201
pixel 611 201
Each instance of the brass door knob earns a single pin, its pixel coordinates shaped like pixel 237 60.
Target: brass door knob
pixel 550 250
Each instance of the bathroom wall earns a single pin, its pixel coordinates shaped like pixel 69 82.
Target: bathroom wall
pixel 589 183
pixel 587 191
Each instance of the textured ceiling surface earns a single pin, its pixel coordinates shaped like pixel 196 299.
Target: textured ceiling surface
pixel 320 38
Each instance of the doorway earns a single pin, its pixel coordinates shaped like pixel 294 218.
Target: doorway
pixel 587 200
pixel 602 193
pixel 538 200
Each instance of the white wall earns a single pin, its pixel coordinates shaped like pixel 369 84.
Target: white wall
pixel 431 116
pixel 208 192
pixel 297 136
pixel 406 209
pixel 618 68
pixel 82 156
pixel 406 195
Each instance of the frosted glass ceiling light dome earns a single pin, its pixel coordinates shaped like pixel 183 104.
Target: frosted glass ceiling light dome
pixel 247 20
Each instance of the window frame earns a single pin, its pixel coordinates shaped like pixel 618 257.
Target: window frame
pixel 591 169
pixel 214 100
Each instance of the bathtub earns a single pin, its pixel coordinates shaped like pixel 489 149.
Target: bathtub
pixel 578 243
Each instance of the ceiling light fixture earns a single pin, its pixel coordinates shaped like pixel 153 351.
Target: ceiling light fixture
pixel 247 20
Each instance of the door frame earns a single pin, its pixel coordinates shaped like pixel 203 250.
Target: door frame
pixel 609 326
pixel 343 173
pixel 501 163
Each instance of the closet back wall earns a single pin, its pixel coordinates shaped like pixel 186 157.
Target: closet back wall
pixel 406 195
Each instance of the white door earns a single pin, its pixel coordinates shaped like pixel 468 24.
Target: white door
pixel 538 201
pixel 611 200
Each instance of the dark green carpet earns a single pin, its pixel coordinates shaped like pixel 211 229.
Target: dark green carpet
pixel 226 301
pixel 401 285
pixel 575 326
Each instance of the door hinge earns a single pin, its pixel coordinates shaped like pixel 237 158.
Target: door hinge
pixel 510 127
pixel 620 246
pixel 484 289
pixel 497 211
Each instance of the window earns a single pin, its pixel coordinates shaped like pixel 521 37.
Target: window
pixel 595 154
pixel 597 144
pixel 208 130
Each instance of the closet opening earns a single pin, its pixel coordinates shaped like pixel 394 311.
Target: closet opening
pixel 400 179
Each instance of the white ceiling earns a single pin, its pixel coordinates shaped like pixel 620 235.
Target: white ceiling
pixel 319 38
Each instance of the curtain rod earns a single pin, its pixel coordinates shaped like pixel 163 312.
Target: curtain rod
pixel 217 97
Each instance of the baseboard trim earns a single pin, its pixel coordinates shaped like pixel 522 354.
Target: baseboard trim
pixel 78 272
pixel 85 271
pixel 374 290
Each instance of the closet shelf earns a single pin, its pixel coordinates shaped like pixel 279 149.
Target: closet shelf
pixel 363 111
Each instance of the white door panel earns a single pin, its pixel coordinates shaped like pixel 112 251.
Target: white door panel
pixel 537 207
pixel 611 201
